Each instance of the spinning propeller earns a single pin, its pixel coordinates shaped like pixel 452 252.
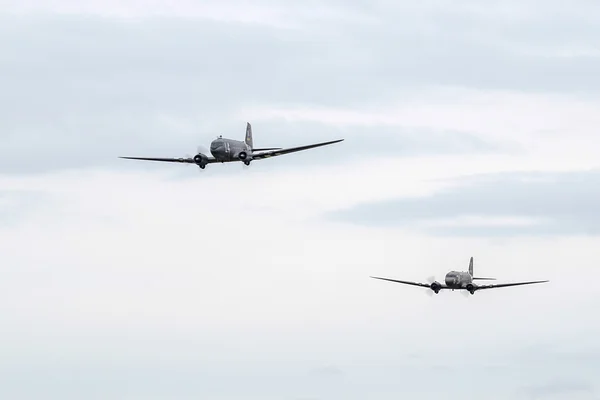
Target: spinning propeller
pixel 430 280
pixel 200 149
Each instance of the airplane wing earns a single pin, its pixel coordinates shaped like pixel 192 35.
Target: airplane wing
pixel 427 285
pixel 500 285
pixel 187 160
pixel 279 152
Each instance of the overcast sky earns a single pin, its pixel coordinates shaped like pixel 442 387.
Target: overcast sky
pixel 471 129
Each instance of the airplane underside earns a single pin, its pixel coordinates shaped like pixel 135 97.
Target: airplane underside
pixel 243 158
pixel 469 287
pixel 226 156
pixel 436 287
pixel 202 160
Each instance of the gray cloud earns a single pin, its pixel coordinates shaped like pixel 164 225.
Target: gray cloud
pixel 96 310
pixel 568 200
pixel 328 372
pixel 360 142
pixel 15 204
pixel 80 91
pixel 558 388
pixel 156 378
pixel 388 140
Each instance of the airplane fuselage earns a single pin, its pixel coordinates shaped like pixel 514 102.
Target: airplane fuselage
pixel 225 150
pixel 458 280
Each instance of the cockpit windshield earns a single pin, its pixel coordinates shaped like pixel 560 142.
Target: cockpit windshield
pixel 216 144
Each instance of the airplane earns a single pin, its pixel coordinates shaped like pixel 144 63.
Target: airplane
pixel 228 150
pixel 457 280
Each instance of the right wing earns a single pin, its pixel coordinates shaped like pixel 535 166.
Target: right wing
pixel 279 152
pixel 187 160
pixel 427 285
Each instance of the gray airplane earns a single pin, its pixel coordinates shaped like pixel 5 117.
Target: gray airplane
pixel 456 280
pixel 229 150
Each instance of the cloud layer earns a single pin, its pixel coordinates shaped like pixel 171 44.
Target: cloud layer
pixel 523 204
pixel 470 131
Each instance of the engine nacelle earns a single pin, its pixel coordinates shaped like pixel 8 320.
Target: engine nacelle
pixel 471 288
pixel 201 160
pixel 242 155
pixel 435 286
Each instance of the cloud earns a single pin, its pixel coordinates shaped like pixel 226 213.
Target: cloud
pixel 140 280
pixel 560 388
pixel 329 372
pixel 16 204
pixel 83 88
pixel 509 204
pixel 179 287
pixel 173 89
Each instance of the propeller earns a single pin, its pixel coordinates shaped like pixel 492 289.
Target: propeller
pixel 199 149
pixel 202 149
pixel 430 280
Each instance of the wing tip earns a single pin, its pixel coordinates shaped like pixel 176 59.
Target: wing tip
pixel 132 158
pixel 333 141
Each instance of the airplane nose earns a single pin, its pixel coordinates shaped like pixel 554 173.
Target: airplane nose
pixel 217 147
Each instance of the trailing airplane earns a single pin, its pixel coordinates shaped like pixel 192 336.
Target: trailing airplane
pixel 456 280
pixel 229 150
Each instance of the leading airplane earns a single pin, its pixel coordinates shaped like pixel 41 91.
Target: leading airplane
pixel 457 280
pixel 229 150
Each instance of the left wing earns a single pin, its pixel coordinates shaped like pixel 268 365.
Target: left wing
pixel 500 285
pixel 279 152
pixel 187 160
pixel 425 285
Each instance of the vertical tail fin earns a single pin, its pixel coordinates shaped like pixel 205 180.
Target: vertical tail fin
pixel 248 139
pixel 474 278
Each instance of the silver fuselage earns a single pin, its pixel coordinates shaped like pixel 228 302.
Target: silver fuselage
pixel 458 280
pixel 228 149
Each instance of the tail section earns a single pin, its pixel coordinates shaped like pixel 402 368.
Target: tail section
pixel 471 273
pixel 248 139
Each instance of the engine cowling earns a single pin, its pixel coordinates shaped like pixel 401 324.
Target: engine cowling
pixel 471 288
pixel 435 286
pixel 242 155
pixel 200 159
